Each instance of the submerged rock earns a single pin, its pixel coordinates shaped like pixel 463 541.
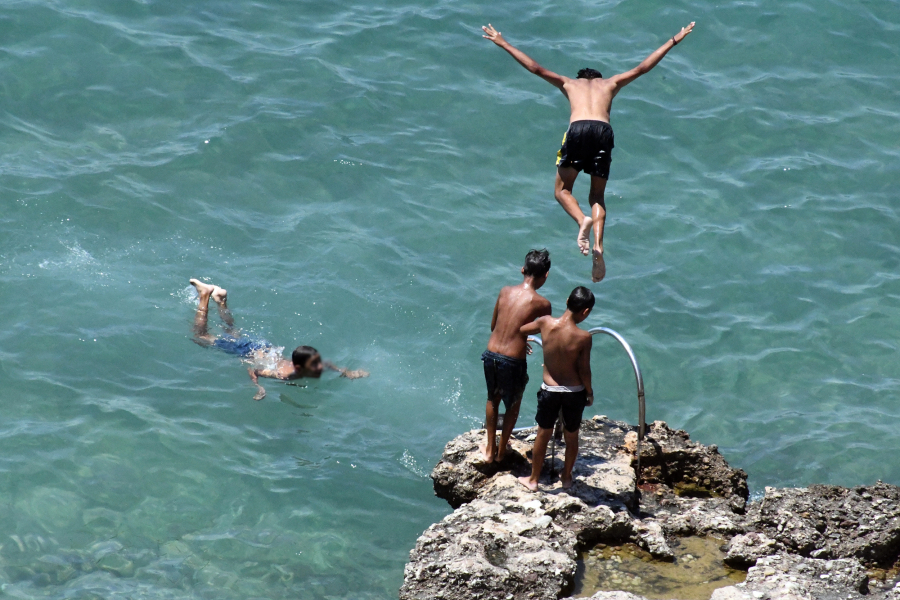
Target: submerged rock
pixel 506 542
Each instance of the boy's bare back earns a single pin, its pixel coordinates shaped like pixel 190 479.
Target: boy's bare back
pixel 516 305
pixel 567 352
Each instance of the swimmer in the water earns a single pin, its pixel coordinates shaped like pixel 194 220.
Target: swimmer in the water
pixel 589 140
pixel 305 360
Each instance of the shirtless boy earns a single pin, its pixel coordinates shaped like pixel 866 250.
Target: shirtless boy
pixel 305 360
pixel 588 143
pixel 505 370
pixel 567 381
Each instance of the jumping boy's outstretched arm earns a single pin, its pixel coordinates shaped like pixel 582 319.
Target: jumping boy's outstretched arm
pixel 523 59
pixel 651 61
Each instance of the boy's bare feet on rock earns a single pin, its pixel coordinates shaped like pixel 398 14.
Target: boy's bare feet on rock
pixel 501 453
pixel 526 481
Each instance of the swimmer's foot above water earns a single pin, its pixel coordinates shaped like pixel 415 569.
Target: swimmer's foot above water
pixel 219 295
pixel 584 239
pixel 205 290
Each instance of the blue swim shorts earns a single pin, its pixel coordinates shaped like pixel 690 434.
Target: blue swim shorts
pixel 242 346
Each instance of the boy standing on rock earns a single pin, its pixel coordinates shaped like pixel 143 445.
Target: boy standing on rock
pixel 505 369
pixel 567 381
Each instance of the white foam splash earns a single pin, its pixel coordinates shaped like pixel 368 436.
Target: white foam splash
pixel 408 461
pixel 76 258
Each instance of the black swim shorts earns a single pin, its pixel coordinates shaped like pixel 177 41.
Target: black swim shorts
pixel 587 146
pixel 571 403
pixel 506 377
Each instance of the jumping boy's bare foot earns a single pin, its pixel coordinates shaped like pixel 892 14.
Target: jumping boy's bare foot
pixel 584 233
pixel 598 271
pixel 526 481
pixel 486 455
pixel 204 289
pixel 566 482
pixel 219 295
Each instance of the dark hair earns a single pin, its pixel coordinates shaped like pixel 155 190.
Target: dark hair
pixel 537 263
pixel 580 299
pixel 301 355
pixel 589 74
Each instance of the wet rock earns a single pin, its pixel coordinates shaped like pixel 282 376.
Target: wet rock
pixel 744 550
pixel 652 539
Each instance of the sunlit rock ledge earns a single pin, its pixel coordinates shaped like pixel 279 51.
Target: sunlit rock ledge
pixel 505 542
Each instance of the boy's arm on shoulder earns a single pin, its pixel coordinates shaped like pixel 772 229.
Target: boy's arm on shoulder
pixel 531 328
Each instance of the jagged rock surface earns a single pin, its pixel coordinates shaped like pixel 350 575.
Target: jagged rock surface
pixel 506 542
pixel 670 458
pixel 827 521
pixel 745 549
pixel 796 577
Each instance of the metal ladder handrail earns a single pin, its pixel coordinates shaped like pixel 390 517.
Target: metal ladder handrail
pixel 638 379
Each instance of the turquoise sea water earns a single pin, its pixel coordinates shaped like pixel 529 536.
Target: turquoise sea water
pixel 363 178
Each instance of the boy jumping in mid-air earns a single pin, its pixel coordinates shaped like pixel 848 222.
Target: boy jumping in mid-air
pixel 505 370
pixel 567 381
pixel 588 143
pixel 305 360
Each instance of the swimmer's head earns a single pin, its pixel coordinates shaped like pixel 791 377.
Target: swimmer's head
pixel 589 74
pixel 307 361
pixel 537 264
pixel 580 302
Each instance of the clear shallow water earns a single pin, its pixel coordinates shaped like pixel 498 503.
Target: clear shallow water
pixel 363 178
pixel 696 571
